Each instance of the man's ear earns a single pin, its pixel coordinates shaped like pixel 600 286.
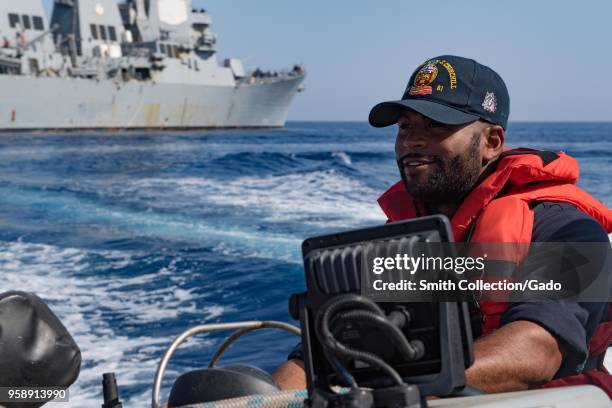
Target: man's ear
pixel 493 142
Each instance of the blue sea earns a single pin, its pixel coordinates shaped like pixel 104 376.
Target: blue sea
pixel 133 238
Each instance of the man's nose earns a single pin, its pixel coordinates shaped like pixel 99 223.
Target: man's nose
pixel 413 142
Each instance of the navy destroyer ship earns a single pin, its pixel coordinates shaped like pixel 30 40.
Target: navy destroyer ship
pixel 141 64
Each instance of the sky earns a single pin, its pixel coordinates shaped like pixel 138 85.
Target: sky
pixel 555 56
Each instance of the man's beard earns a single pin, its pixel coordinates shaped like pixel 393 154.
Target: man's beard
pixel 453 179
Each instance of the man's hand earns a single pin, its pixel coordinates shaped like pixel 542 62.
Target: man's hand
pixel 515 357
pixel 291 375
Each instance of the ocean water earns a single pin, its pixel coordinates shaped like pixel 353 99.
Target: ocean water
pixel 133 238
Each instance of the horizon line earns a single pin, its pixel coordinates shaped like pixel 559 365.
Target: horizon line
pixel 513 121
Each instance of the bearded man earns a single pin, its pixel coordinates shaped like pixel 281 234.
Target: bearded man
pixel 452 160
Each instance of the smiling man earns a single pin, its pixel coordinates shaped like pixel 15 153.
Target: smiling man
pixel 452 160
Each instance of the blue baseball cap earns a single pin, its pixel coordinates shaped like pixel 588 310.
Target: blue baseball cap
pixel 451 90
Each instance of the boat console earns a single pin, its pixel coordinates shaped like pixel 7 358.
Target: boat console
pixel 380 350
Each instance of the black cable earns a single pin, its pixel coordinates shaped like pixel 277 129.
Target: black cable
pixel 341 370
pixel 373 314
pixel 367 357
pixel 346 301
pixel 408 350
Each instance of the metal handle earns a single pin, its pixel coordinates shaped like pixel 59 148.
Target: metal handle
pixel 243 328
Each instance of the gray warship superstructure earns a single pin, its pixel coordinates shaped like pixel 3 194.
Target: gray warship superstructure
pixel 142 64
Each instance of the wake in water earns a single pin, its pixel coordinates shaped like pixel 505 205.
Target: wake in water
pixel 66 279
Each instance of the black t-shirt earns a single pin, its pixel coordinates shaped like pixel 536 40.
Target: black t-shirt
pixel 573 324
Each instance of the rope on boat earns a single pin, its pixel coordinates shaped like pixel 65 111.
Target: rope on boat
pixel 281 399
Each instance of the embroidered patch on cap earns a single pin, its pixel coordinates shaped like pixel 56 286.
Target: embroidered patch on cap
pixel 490 102
pixel 426 76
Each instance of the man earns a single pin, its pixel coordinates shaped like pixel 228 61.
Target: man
pixel 452 160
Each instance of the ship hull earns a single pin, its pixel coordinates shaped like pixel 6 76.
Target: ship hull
pixel 43 104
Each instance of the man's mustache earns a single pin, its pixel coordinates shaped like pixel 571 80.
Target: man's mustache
pixel 417 156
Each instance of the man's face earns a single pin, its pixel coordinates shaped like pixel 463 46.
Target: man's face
pixel 439 163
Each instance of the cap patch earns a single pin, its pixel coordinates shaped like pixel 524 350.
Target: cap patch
pixel 423 78
pixel 427 74
pixel 490 102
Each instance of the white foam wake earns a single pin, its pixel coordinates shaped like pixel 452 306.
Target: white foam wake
pixel 323 198
pixel 84 302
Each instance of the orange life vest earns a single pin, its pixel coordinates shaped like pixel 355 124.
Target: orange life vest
pixel 499 209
